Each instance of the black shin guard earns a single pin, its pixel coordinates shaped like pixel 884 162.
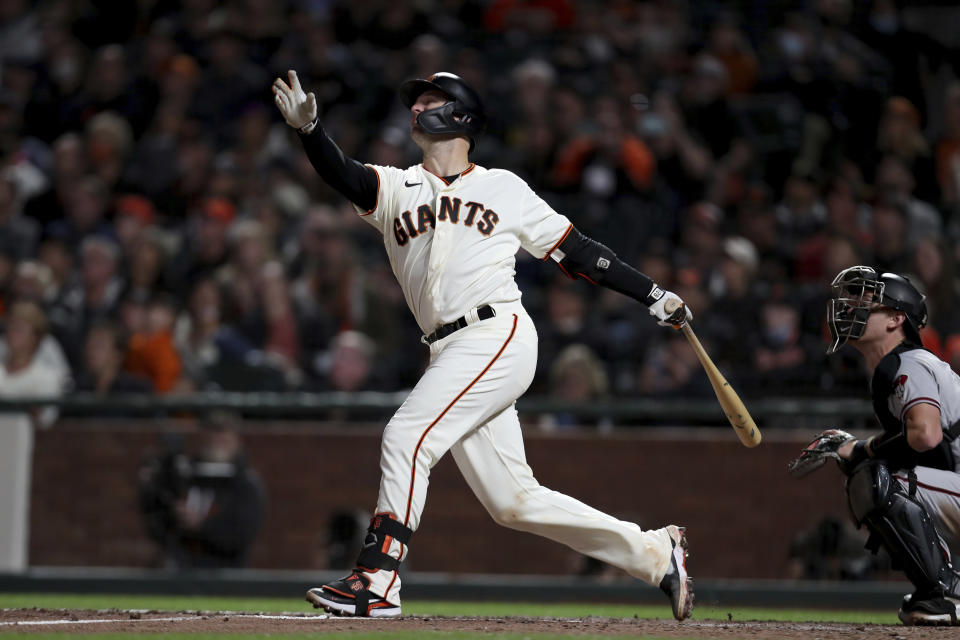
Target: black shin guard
pixel 383 530
pixel 903 526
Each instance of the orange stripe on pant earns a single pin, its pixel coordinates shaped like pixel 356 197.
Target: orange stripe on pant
pixel 416 451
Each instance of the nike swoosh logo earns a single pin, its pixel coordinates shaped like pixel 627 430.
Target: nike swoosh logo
pixel 411 184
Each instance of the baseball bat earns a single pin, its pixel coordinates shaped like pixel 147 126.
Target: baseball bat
pixel 733 407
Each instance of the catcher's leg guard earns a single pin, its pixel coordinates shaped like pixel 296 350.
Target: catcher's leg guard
pixel 904 527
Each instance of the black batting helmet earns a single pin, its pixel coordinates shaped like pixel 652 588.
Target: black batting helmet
pixel 463 115
pixel 855 293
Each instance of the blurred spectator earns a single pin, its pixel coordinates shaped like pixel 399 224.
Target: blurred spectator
pixel 732 48
pixel 577 375
pixel 203 508
pixel 109 87
pixel 661 130
pixel 671 369
pixel 733 312
pixel 96 295
pixel 104 354
pixel 351 363
pixel 801 213
pixel 895 182
pixel 900 134
pixel 933 266
pixel 25 371
pixel 207 246
pixel 701 238
pixel 230 83
pixel 151 353
pixel 611 162
pixel 146 269
pixel 69 167
pixel 33 281
pixel 948 149
pixel 18 233
pixel 85 206
pixel 683 162
pixel 132 214
pixel 890 232
pixel 109 142
pixel 781 357
pixel 568 322
pixel 215 355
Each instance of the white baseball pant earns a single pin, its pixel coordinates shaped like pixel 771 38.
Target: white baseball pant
pixel 464 403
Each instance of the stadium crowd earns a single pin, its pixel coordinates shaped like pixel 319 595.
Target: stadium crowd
pixel 161 228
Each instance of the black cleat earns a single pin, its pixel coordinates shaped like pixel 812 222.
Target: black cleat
pixel 936 610
pixel 677 584
pixel 350 597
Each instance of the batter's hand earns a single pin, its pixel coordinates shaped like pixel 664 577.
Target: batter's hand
pixel 299 109
pixel 676 319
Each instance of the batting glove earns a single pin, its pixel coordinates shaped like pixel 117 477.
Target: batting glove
pixel 299 109
pixel 664 319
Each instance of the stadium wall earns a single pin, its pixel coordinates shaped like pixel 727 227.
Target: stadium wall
pixel 741 508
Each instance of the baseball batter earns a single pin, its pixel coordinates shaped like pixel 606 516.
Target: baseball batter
pixel 903 483
pixel 451 230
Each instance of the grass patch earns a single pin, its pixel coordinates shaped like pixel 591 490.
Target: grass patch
pixel 414 607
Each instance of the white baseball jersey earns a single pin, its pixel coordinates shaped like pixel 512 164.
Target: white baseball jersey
pixel 452 245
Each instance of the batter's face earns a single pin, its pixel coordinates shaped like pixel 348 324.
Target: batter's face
pixel 427 100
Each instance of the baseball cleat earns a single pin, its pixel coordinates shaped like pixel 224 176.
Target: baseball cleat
pixel 933 611
pixel 350 597
pixel 677 583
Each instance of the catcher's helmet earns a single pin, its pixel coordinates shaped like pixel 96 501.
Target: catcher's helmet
pixel 463 115
pixel 856 291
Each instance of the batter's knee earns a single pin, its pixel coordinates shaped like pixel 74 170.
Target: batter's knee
pixel 508 516
pixel 398 437
pixel 513 513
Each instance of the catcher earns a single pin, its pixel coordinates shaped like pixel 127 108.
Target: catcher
pixel 903 483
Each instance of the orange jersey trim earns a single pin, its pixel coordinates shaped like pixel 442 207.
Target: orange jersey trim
pixel 559 242
pixel 444 180
pixel 413 470
pixel 377 203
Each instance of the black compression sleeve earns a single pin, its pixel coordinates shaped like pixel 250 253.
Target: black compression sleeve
pixel 893 448
pixel 357 182
pixel 588 259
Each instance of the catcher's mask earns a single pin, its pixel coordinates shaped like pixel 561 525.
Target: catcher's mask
pixel 463 115
pixel 857 291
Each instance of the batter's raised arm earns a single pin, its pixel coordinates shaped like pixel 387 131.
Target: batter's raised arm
pixel 583 257
pixel 354 180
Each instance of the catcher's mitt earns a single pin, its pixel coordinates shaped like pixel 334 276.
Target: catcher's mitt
pixel 820 449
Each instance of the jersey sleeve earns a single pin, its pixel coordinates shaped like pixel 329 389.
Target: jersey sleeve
pixel 388 179
pixel 542 229
pixel 915 384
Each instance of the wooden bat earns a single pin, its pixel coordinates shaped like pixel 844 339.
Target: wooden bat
pixel 732 405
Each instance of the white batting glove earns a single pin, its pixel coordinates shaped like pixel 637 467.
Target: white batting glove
pixel 677 318
pixel 299 109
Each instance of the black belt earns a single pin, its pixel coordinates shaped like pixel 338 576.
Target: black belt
pixel 484 312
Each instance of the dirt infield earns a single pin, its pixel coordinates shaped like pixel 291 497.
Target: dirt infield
pixel 22 621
